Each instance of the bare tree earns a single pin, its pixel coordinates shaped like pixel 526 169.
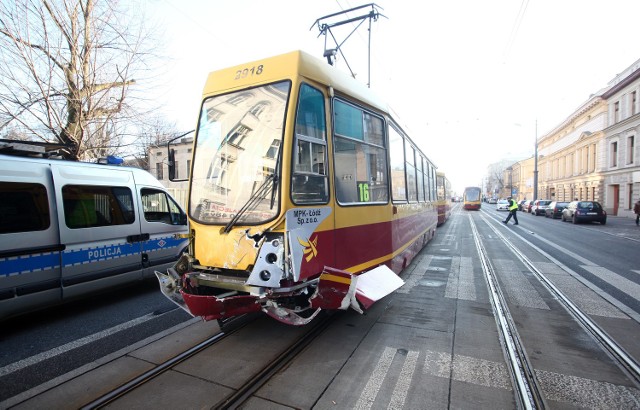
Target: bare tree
pixel 66 69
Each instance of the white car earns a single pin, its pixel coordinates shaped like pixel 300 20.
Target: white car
pixel 502 205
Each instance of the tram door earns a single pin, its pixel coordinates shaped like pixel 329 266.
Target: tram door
pixel 312 215
pixel 361 186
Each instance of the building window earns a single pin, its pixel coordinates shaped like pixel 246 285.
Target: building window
pixel 616 112
pixel 614 154
pixel 273 149
pixel 159 171
pixel 634 110
pixel 630 149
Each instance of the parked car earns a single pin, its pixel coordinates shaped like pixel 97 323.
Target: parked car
pixel 554 210
pixel 539 206
pixel 584 211
pixel 521 204
pixel 502 205
pixel 492 200
pixel 526 207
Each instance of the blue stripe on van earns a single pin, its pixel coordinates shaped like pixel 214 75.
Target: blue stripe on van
pixel 166 242
pixel 101 253
pixel 29 263
pixel 51 260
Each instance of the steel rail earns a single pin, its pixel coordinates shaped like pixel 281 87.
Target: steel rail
pixel 601 336
pixel 525 383
pixel 231 326
pixel 244 392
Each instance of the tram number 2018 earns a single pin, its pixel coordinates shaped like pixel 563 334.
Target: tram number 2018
pixel 248 72
pixel 363 192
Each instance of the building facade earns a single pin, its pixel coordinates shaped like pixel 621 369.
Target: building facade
pixel 571 156
pixel 593 155
pixel 158 167
pixel 622 162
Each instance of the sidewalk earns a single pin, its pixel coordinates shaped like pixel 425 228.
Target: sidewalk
pixel 619 226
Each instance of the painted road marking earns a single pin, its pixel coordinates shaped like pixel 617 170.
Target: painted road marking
pixel 583 296
pixel 368 395
pixel 625 285
pixel 460 284
pixel 13 367
pixel 576 391
pixel 518 289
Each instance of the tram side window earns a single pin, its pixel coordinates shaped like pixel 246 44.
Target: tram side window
pixel 24 207
pixel 396 151
pixel 87 206
pixel 159 207
pixel 421 179
pixel 360 156
pixel 309 183
pixel 411 173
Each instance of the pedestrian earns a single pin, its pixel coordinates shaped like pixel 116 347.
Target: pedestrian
pixel 636 209
pixel 513 208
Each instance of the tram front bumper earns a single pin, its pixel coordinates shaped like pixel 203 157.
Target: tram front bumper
pixel 208 307
pixel 169 286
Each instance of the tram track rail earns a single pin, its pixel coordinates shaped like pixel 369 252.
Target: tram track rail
pixel 242 393
pixel 252 385
pixel 527 392
pixel 232 326
pixel 625 361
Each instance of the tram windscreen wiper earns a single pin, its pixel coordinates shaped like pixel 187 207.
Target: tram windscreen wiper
pixel 258 195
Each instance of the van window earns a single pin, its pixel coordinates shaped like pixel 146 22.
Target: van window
pixel 23 207
pixel 87 206
pixel 160 207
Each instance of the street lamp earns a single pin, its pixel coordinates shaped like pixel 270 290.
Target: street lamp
pixel 535 166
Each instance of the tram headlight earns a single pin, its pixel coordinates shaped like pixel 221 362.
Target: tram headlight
pixel 265 275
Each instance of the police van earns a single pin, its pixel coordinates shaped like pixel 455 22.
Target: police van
pixel 68 229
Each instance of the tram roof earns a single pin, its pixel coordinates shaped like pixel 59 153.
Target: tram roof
pixel 291 64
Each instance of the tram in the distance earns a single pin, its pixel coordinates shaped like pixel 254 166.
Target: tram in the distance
pixel 443 188
pixel 304 194
pixel 472 198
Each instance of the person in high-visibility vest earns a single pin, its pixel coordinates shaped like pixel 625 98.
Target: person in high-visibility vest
pixel 513 208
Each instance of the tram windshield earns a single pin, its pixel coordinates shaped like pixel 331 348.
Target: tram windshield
pixel 237 156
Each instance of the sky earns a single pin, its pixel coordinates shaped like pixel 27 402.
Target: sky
pixel 474 82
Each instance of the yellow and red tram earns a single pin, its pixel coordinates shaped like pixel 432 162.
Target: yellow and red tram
pixel 472 198
pixel 304 194
pixel 443 189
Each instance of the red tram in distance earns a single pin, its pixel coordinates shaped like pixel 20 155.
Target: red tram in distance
pixel 472 198
pixel 304 194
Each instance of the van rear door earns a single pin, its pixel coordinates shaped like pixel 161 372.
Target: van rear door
pixel 99 227
pixel 29 241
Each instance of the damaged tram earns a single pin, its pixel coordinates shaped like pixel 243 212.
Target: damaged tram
pixel 304 194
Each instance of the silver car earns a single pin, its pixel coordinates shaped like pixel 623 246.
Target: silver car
pixel 502 205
